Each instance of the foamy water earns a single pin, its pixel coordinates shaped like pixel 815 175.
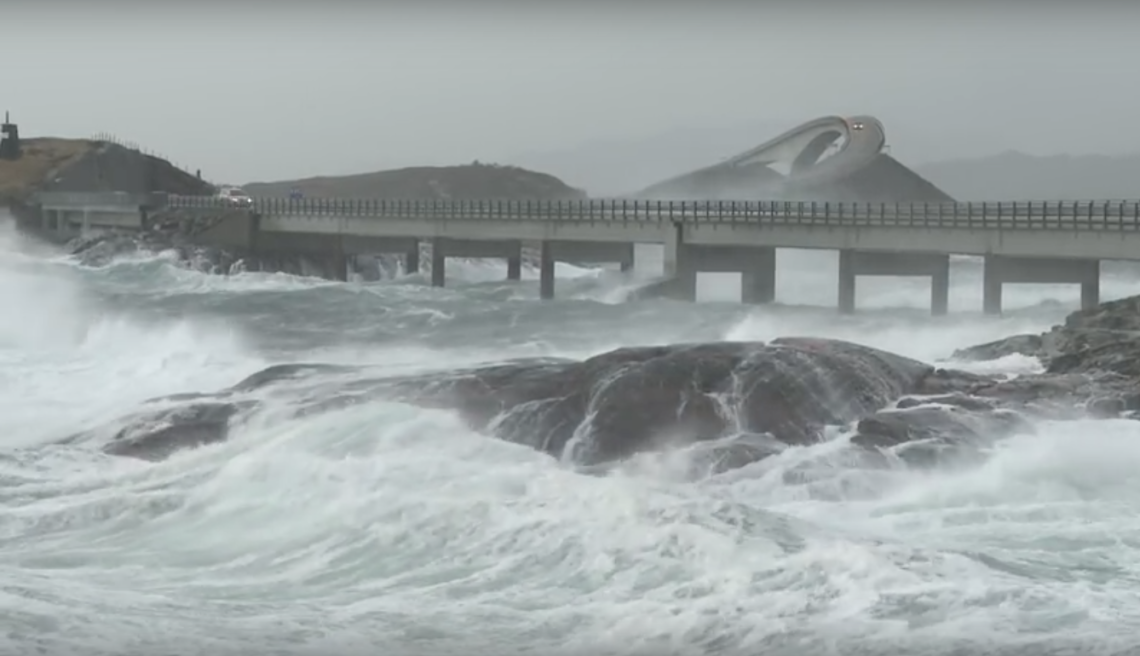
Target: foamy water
pixel 385 528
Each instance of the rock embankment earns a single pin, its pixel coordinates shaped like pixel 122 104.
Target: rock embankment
pixel 1100 341
pixel 743 401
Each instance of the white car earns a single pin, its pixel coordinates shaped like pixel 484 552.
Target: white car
pixel 235 196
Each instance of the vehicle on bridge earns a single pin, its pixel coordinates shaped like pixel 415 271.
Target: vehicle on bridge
pixel 235 196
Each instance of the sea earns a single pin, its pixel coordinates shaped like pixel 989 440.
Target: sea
pixel 388 529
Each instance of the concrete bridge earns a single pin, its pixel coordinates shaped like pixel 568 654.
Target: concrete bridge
pixel 1022 242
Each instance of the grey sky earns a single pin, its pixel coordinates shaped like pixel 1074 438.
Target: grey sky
pixel 268 91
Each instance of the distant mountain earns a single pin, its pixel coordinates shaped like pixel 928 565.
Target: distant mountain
pixel 473 181
pixel 1017 176
pixel 945 156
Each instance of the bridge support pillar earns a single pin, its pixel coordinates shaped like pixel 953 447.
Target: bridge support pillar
pixel 758 280
pixel 680 266
pixel 438 262
pixel 338 267
pixel 1090 294
pixel 442 248
pixel 853 264
pixel 940 289
pixel 846 299
pixel 412 260
pixel 991 287
pixel 755 264
pixel 514 268
pixel 546 270
pixel 1000 269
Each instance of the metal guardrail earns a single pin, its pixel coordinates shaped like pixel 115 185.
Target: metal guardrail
pixel 1030 215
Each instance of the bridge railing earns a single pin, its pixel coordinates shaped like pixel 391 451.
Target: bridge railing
pixel 1030 215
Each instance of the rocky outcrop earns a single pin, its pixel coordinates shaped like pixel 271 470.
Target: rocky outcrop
pixel 175 231
pixel 729 403
pixel 745 400
pixel 1099 347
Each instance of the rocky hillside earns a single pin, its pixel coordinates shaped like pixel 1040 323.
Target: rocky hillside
pixel 41 160
pixel 111 167
pixel 50 164
pixel 473 181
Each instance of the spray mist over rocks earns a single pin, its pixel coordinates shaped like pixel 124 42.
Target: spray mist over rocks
pixel 466 469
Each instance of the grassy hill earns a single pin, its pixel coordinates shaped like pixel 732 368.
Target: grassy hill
pixel 473 181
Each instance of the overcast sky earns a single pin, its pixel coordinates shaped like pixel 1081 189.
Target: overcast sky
pixel 264 90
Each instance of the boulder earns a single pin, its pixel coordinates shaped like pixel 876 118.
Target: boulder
pixel 598 410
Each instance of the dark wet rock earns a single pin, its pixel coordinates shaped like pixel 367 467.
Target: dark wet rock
pixel 958 400
pixel 1092 365
pixel 610 406
pixel 104 249
pixel 630 401
pixel 893 427
pixel 942 381
pixel 933 434
pixel 155 435
pixel 698 460
pixel 283 372
pixel 633 400
pixel 1105 338
pixel 1029 345
pixel 1108 407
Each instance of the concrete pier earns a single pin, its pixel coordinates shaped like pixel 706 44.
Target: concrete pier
pixel 442 248
pixel 551 251
pixel 546 270
pixel 412 260
pixel 853 264
pixel 755 264
pixel 338 267
pixel 1002 269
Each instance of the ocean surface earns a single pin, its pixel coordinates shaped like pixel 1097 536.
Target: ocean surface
pixel 386 529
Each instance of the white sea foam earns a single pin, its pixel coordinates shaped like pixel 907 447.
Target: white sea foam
pixel 388 527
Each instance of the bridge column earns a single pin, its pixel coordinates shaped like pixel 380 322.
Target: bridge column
pixel 758 279
pixel 846 281
pixel 627 262
pixel 940 288
pixel 870 263
pixel 443 248
pixel 545 270
pixel 991 286
pixel 1090 293
pixel 338 267
pixel 438 262
pixel 514 267
pixel 412 260
pixel 1000 269
pixel 680 266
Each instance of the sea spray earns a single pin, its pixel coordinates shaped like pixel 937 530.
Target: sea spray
pixel 382 526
